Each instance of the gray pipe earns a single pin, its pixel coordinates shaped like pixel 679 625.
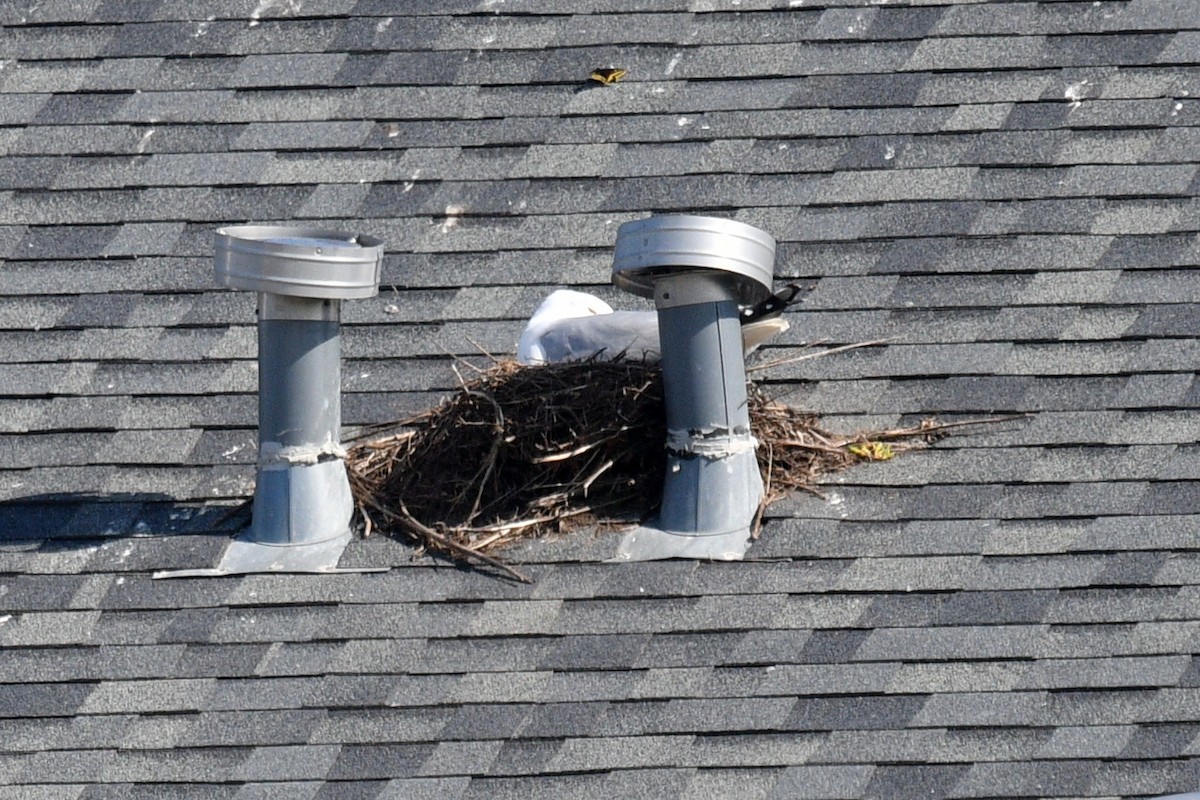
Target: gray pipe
pixel 712 484
pixel 698 270
pixel 302 494
pixel 302 502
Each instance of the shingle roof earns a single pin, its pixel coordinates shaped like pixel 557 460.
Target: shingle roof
pixel 1005 192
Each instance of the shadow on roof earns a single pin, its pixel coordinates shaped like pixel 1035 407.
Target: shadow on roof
pixel 86 515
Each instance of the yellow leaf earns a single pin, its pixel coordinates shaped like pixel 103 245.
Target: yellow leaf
pixel 872 451
pixel 609 75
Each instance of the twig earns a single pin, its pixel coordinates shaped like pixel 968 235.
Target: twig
pixel 462 384
pixel 507 527
pixel 490 540
pixel 483 351
pixel 756 528
pixel 490 461
pixel 779 362
pixel 820 448
pixel 928 427
pixel 563 455
pixel 447 542
pixel 510 527
pixel 587 482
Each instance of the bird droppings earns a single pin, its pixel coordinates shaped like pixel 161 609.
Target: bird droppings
pixel 286 7
pixel 1074 93
pixel 452 215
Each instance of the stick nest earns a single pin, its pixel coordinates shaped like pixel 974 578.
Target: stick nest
pixel 523 452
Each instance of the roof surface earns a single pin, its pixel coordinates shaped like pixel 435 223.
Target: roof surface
pixel 1005 191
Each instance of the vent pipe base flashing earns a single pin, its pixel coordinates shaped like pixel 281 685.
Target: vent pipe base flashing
pixel 707 509
pixel 698 269
pixel 246 557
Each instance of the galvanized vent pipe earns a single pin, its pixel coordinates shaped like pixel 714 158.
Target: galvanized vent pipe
pixel 698 270
pixel 302 503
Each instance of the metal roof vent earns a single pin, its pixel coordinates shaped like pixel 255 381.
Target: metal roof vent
pixel 302 502
pixel 698 269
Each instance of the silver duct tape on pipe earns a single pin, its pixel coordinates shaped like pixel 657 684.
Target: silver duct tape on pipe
pixel 717 443
pixel 698 269
pixel 274 453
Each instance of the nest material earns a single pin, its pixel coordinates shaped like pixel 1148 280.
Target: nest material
pixel 518 451
pixel 521 452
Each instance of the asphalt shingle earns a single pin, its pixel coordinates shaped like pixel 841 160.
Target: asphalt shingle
pixel 1003 194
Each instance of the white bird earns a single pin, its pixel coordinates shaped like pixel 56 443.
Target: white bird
pixel 571 326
